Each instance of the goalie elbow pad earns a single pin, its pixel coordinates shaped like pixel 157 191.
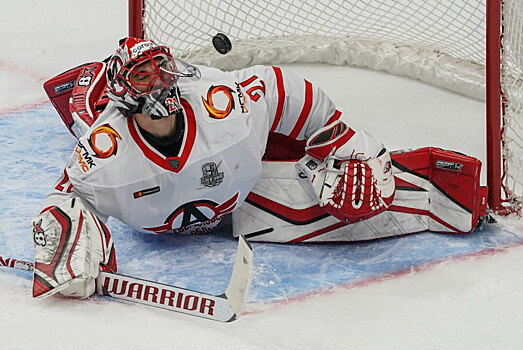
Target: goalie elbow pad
pixel 341 142
pixel 70 245
pixel 325 141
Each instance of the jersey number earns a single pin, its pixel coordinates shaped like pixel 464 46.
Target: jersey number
pixel 257 86
pixel 64 185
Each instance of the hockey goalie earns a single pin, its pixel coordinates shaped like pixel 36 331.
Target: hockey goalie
pixel 169 147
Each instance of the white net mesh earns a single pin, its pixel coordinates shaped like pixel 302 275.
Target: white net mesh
pixel 440 42
pixel 455 27
pixel 512 87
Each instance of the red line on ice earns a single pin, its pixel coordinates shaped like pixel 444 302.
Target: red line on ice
pixel 261 308
pixel 26 106
pixel 21 69
pixel 11 67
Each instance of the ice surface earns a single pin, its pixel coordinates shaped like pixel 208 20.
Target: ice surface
pixel 424 291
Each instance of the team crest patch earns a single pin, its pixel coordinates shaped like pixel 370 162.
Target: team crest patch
pixel 211 175
pixel 98 147
pixel 198 216
pixel 174 163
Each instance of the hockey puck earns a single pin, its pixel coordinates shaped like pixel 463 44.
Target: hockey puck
pixel 221 43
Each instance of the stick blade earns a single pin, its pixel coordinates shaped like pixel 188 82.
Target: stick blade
pixel 241 277
pixel 223 308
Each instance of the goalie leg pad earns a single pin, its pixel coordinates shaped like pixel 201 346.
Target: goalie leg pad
pixel 435 190
pixel 457 199
pixel 70 243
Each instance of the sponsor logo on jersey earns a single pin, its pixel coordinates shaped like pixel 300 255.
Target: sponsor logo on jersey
pixel 448 165
pixel 103 141
pixel 199 216
pixel 146 192
pixel 84 159
pixel 222 100
pixel 211 175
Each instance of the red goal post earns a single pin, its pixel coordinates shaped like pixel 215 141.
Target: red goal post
pixel 468 46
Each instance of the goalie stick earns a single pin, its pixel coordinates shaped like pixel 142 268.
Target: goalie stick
pixel 225 307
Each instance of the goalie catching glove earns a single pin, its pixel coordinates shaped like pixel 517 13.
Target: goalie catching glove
pixel 350 172
pixel 71 246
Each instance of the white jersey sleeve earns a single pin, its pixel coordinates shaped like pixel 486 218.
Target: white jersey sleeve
pixel 295 106
pixel 67 187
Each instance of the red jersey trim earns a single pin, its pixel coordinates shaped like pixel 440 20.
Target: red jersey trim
pixel 188 143
pixel 334 117
pixel 307 106
pixel 281 98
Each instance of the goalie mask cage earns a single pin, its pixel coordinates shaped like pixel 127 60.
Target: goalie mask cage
pixel 468 46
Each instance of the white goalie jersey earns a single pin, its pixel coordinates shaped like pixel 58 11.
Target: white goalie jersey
pixel 227 119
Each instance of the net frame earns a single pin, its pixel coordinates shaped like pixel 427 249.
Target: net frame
pixel 491 71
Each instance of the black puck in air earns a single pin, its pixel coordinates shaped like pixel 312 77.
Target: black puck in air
pixel 221 43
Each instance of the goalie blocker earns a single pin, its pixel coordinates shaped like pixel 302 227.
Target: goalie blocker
pixel 436 190
pixel 79 95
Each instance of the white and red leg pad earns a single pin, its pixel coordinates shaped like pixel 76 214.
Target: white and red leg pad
pixel 436 191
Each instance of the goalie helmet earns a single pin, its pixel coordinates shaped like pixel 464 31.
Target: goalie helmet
pixel 142 78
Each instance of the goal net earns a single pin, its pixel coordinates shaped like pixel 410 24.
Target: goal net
pixel 441 42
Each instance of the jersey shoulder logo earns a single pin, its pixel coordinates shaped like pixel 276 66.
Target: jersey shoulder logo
pixel 97 147
pixel 107 141
pixel 224 101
